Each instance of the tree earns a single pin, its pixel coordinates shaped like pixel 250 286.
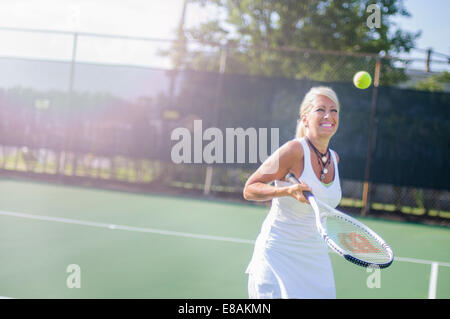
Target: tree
pixel 283 37
pixel 434 83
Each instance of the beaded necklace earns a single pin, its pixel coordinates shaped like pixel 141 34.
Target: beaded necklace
pixel 323 159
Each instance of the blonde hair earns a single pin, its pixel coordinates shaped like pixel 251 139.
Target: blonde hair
pixel 308 103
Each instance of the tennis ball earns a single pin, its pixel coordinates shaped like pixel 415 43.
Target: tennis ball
pixel 362 80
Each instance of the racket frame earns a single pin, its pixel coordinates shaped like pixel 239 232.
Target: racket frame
pixel 330 242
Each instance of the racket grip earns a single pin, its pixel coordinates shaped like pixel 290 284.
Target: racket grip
pixel 291 178
pixel 308 194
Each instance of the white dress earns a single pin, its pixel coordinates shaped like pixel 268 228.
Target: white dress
pixel 290 260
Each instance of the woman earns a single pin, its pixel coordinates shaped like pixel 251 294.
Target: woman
pixel 290 260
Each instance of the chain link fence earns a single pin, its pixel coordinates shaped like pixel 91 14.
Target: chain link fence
pixel 99 122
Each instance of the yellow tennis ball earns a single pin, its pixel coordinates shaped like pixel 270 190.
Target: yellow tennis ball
pixel 362 80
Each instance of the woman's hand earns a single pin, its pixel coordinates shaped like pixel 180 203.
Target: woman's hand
pixel 296 191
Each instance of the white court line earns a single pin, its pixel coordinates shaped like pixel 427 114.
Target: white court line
pixel 433 281
pixel 421 261
pixel 123 227
pixel 173 233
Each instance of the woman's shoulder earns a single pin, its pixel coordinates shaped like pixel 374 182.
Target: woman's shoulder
pixel 337 156
pixel 294 148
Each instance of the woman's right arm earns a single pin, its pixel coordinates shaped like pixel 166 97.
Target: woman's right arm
pixel 276 167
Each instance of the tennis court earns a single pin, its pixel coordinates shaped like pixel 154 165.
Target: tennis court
pixel 130 245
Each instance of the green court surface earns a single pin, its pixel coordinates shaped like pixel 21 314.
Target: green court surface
pixel 151 246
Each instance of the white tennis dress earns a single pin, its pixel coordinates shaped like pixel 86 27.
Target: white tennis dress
pixel 290 260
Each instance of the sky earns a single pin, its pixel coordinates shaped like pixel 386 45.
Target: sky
pixel 152 19
pixel 432 17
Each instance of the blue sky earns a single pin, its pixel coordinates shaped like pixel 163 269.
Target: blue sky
pixel 151 18
pixel 432 17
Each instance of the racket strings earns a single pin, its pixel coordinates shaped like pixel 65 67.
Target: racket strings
pixel 355 240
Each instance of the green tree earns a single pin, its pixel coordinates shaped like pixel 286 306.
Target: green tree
pixel 269 37
pixel 434 83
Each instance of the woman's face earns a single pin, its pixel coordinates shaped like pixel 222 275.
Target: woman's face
pixel 323 119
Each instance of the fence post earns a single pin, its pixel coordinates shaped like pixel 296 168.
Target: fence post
pixel 428 61
pixel 61 163
pixel 222 66
pixel 72 78
pixel 366 185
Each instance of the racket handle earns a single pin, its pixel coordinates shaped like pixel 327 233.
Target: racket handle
pixel 291 178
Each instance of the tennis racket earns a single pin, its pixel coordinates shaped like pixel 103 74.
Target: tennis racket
pixel 346 236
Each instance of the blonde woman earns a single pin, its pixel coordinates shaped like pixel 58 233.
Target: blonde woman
pixel 290 260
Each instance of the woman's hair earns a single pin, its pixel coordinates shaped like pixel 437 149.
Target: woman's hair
pixel 308 103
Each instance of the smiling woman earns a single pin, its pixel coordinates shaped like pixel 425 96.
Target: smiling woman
pixel 318 101
pixel 290 260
